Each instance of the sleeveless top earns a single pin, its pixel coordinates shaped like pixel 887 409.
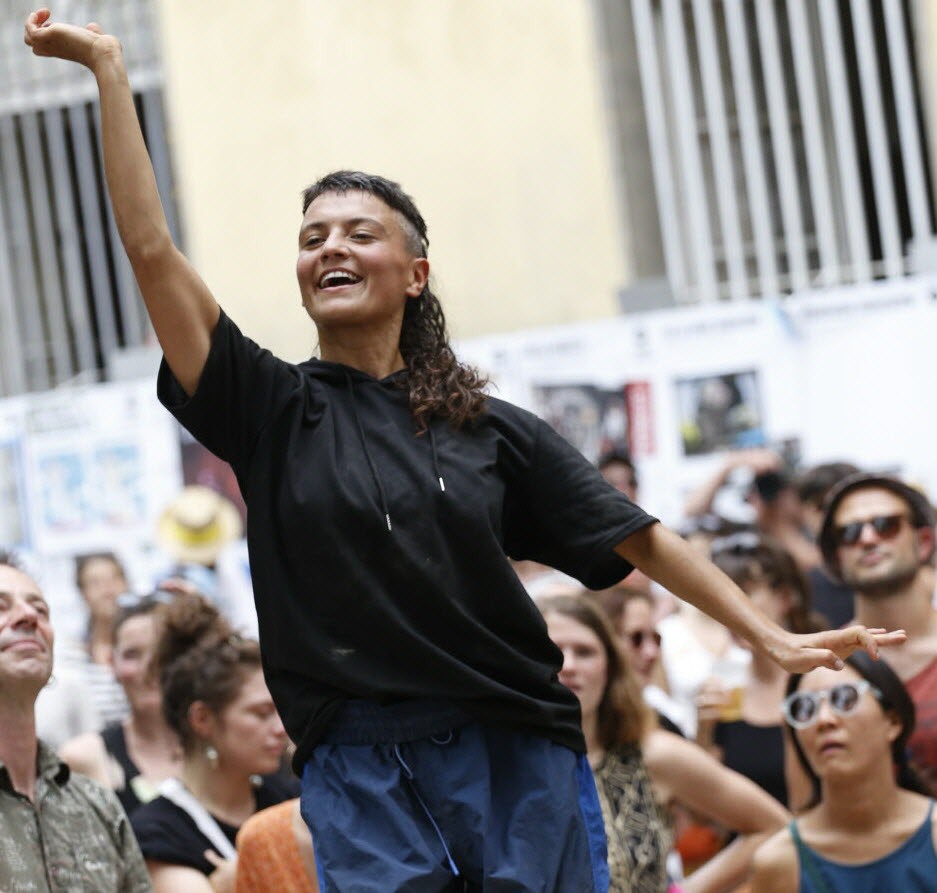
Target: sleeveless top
pixel 757 752
pixel 922 745
pixel 911 868
pixel 636 827
pixel 135 789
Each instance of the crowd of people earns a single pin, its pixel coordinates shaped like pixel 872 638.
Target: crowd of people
pixel 817 781
pixel 417 713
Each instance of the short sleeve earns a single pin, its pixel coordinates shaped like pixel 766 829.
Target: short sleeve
pixel 560 511
pixel 241 387
pixel 167 834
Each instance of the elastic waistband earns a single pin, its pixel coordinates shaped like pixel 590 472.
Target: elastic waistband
pixel 360 721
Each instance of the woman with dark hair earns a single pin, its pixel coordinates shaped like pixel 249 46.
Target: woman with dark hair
pixel 871 826
pixel 641 770
pixel 134 756
pixel 385 492
pixel 742 727
pixel 216 701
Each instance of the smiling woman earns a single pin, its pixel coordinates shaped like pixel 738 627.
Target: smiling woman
pixel 385 492
pixel 132 756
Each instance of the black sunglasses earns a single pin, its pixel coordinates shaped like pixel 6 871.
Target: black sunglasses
pixel 886 527
pixel 639 636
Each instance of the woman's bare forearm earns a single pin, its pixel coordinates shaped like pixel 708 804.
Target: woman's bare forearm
pixel 131 182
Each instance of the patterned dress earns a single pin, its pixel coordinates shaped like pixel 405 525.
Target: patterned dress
pixel 636 827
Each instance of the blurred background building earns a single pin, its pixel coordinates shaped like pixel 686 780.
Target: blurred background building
pixel 573 159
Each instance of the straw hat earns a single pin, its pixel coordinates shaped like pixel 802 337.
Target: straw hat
pixel 197 524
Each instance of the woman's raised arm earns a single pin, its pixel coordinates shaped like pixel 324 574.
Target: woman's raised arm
pixel 181 307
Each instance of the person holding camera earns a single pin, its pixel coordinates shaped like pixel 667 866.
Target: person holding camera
pixel 771 494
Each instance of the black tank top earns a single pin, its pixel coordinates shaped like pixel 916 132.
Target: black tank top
pixel 756 752
pixel 115 743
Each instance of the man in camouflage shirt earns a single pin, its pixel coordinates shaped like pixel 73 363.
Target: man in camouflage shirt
pixel 59 833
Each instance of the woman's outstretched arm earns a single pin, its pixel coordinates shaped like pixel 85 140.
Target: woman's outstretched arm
pixel 666 558
pixel 181 307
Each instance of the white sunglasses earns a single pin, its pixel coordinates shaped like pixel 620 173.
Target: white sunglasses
pixel 802 708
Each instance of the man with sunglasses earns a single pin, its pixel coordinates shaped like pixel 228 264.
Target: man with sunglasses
pixel 877 536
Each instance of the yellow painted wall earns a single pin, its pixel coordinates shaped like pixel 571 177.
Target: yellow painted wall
pixel 489 112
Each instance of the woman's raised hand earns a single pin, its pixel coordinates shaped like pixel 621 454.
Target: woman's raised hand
pixel 71 42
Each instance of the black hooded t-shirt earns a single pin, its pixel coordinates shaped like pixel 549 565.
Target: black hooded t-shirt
pixel 379 557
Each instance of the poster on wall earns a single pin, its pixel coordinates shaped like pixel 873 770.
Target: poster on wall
pixel 117 474
pixel 62 490
pixel 720 412
pixel 203 467
pixel 598 420
pixel 85 469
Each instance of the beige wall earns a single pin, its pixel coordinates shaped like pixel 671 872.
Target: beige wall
pixel 488 111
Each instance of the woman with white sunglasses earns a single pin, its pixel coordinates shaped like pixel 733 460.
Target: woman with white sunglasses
pixel 870 826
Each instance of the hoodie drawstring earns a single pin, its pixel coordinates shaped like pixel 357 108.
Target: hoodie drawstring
pixel 432 443
pixel 367 452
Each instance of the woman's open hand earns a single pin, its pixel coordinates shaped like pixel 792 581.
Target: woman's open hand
pixel 802 653
pixel 71 42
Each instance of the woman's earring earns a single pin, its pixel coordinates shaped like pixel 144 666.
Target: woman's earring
pixel 212 756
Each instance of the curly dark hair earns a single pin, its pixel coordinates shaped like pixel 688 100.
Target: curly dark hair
pixel 438 384
pixel 199 657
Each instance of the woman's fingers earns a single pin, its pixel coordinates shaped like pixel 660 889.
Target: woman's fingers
pixel 895 637
pixel 84 45
pixel 829 649
pixel 37 20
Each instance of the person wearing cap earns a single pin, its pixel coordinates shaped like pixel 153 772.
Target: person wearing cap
pixel 770 493
pixel 877 536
